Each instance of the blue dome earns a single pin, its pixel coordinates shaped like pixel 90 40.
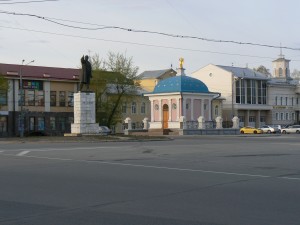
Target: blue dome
pixel 181 84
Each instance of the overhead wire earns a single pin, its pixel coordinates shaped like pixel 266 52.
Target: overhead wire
pixel 8 2
pixel 103 27
pixel 136 43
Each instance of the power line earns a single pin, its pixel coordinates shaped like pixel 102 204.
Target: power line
pixel 103 27
pixel 136 43
pixel 8 2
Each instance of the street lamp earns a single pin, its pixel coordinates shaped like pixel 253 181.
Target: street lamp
pixel 22 99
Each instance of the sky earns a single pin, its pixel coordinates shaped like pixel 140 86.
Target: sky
pixel 69 31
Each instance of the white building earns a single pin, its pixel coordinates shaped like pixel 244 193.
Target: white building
pixel 256 98
pixel 244 91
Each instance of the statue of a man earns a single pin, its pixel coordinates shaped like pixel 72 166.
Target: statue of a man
pixel 86 72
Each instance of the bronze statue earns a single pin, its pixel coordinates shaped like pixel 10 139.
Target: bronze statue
pixel 86 72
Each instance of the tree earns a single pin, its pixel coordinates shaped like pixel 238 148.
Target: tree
pixel 262 69
pixel 114 82
pixel 3 90
pixel 296 74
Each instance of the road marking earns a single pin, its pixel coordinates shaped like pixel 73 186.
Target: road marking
pixel 159 167
pixel 23 153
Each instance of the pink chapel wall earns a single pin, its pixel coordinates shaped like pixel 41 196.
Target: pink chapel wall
pixel 156 112
pixel 174 111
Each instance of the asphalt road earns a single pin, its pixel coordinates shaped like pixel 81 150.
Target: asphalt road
pixel 203 180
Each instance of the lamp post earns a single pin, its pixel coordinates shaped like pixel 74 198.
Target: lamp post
pixel 22 99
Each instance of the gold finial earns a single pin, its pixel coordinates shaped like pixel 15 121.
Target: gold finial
pixel 181 61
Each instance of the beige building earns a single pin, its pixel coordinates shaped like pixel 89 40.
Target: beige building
pixel 149 79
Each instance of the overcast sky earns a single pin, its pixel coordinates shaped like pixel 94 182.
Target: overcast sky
pixel 268 22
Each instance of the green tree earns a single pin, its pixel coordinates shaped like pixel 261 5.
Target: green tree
pixel 114 82
pixel 3 90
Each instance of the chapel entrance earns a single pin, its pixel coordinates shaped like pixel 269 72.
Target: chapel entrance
pixel 165 116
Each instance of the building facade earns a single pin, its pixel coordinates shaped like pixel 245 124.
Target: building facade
pixel 39 100
pixel 257 99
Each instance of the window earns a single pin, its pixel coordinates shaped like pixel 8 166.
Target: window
pixel 277 116
pixel 3 124
pixel 293 116
pixel 281 100
pixel 286 100
pixel 248 91
pixel 133 108
pixel 262 119
pixel 31 123
pixel 242 118
pixel 187 106
pixel 251 118
pixel 3 97
pixel 143 108
pixel 62 98
pixel 287 116
pixel 281 116
pixel 253 92
pixel 41 123
pixel 30 97
pixel 292 101
pixel 62 123
pixel 70 99
pixel 124 108
pixel 205 106
pixel 40 98
pixel 276 100
pixel 280 72
pixel 216 110
pixel 52 123
pixel 53 98
pixel 133 126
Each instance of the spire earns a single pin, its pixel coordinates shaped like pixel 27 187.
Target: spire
pixel 281 56
pixel 180 70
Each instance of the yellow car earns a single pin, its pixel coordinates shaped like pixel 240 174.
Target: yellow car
pixel 250 130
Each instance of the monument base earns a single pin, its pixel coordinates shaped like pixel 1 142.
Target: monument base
pixel 84 128
pixel 84 114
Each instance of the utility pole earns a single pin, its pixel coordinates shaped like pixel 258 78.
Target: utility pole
pixel 22 112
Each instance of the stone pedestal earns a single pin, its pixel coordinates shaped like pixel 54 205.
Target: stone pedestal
pixel 84 114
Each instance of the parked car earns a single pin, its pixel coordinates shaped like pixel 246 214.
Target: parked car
pixel 291 129
pixel 269 129
pixel 103 130
pixel 250 130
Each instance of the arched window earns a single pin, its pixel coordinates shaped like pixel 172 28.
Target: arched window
pixel 280 72
pixel 216 110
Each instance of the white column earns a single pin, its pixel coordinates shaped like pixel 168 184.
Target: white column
pixel 202 107
pixel 160 110
pixel 152 110
pixel 170 108
pixel 178 108
pixel 209 109
pixel 183 107
pixel 192 109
